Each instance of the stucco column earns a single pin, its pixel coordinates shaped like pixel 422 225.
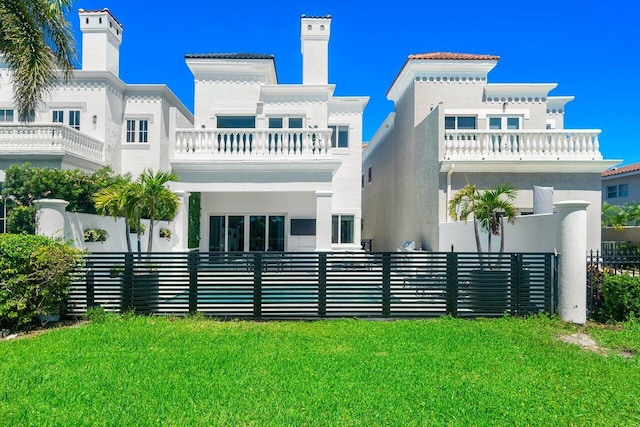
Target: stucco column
pixel 51 218
pixel 181 222
pixel 572 271
pixel 323 220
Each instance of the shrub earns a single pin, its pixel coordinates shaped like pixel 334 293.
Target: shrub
pixel 621 297
pixel 35 274
pixel 165 233
pixel 21 219
pixel 95 235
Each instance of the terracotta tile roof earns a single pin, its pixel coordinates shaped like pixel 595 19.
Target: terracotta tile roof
pixel 444 56
pixel 622 169
pixel 455 56
pixel 101 10
pixel 229 56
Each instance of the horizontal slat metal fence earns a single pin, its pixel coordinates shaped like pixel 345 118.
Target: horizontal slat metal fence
pixel 269 285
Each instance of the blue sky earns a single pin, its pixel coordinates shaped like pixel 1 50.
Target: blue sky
pixel 590 48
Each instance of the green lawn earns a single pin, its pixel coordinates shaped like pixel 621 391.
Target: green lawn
pixel 155 371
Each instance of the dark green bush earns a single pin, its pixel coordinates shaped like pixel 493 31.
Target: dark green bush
pixel 21 219
pixel 621 297
pixel 35 274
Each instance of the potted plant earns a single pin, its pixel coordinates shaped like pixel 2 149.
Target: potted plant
pixel 489 209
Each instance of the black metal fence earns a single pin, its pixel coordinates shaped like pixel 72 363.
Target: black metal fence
pixel 611 262
pixel 268 285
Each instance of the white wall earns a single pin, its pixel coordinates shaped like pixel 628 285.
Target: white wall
pixel 116 241
pixel 530 233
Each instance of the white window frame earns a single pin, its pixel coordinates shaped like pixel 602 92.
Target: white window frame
pixel 285 121
pixel 336 128
pixel 4 112
pixel 135 135
pixel 339 230
pixel 504 120
pixel 74 114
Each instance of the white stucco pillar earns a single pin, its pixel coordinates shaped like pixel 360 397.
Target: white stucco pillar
pixel 572 271
pixel 181 222
pixel 51 218
pixel 323 220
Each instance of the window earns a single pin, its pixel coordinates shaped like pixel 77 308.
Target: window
pixel 143 131
pixel 74 119
pixel 460 122
pixel 370 174
pixel 6 115
pixel 131 131
pixel 339 136
pixel 291 122
pixel 236 122
pixel 509 123
pixel 295 122
pixel 342 227
pixel 620 190
pixel 58 116
pixel 275 122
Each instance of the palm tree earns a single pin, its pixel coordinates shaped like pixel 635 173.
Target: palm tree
pixel 119 200
pixel 462 205
pixel 36 41
pixel 154 197
pixel 490 208
pixel 616 216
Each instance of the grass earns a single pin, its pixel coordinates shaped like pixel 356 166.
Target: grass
pixel 156 371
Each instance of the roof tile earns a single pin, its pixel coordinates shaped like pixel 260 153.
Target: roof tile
pixel 229 56
pixel 622 169
pixel 454 56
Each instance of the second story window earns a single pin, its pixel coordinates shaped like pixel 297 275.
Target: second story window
pixel 74 119
pixel 509 123
pixel 290 122
pixel 58 116
pixel 236 122
pixel 460 122
pixel 143 131
pixel 620 190
pixel 339 136
pixel 6 115
pixel 142 127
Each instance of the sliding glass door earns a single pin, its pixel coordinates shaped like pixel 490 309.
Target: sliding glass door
pixel 238 233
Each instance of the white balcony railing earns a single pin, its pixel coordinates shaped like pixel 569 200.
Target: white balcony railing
pixel 199 144
pixel 54 138
pixel 522 145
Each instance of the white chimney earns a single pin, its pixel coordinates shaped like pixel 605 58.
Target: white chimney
pixel 314 39
pixel 101 38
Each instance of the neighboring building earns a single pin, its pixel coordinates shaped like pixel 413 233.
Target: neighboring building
pixel 621 185
pixel 451 127
pixel 95 119
pixel 278 166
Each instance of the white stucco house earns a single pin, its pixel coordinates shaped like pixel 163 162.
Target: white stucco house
pixel 277 165
pixel 451 127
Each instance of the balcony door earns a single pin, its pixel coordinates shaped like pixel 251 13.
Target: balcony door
pixel 506 142
pixel 240 233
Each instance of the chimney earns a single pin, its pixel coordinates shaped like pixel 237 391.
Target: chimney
pixel 101 38
pixel 314 39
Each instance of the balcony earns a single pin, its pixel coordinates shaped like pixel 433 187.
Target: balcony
pixel 251 144
pixel 49 139
pixel 501 145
